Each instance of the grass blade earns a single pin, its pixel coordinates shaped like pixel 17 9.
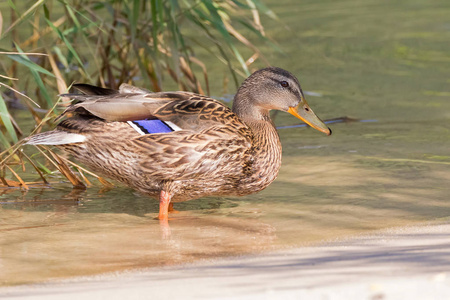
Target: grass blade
pixel 63 168
pixel 23 17
pixel 35 167
pixel 22 59
pixel 23 184
pixel 261 7
pixel 6 119
pixel 60 83
pixel 133 19
pixel 66 42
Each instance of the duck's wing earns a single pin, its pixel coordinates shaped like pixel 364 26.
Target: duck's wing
pixel 124 88
pixel 208 135
pixel 185 110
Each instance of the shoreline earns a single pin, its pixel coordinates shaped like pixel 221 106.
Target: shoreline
pixel 412 262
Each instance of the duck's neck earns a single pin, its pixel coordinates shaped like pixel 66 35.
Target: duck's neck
pixel 266 145
pixel 244 108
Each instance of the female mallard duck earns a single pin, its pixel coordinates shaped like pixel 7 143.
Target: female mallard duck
pixel 179 145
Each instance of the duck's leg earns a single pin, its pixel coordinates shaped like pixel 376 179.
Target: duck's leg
pixel 171 209
pixel 164 204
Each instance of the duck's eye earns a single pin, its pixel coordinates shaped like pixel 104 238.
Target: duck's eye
pixel 284 83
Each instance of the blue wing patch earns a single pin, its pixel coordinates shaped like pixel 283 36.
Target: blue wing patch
pixel 150 126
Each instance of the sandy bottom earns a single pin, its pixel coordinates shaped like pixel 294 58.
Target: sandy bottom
pixel 402 263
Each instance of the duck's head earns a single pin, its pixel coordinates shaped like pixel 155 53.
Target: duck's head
pixel 274 88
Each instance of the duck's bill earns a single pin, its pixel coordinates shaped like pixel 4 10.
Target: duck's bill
pixel 305 113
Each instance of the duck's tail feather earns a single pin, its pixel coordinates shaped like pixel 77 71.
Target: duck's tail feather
pixel 55 137
pixel 88 89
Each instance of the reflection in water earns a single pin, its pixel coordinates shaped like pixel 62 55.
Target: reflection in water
pixel 57 239
pixel 329 121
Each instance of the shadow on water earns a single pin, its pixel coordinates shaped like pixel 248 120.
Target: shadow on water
pixel 329 121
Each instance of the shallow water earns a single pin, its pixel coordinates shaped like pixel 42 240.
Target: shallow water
pixel 371 60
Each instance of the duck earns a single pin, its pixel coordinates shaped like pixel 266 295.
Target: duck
pixel 178 146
